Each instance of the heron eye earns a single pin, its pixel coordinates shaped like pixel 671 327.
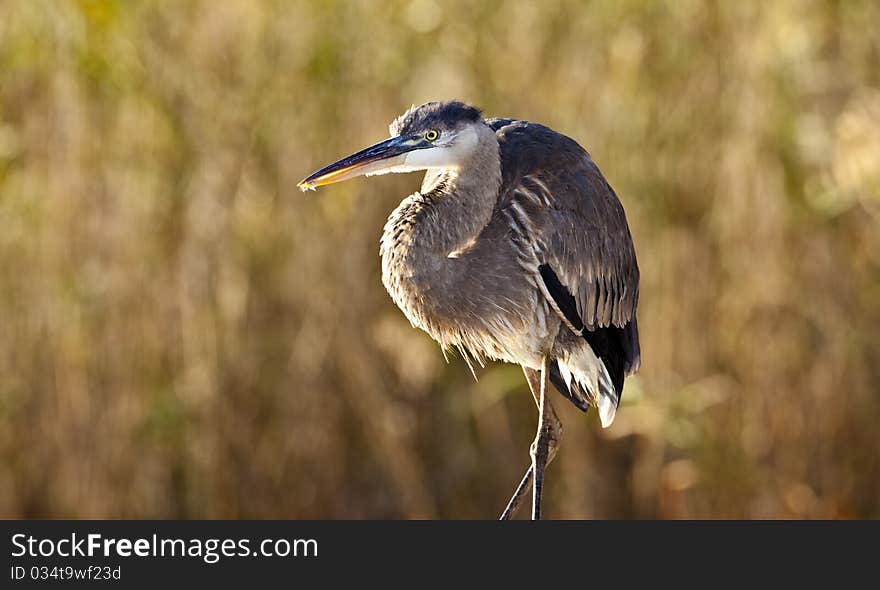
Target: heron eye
pixel 432 134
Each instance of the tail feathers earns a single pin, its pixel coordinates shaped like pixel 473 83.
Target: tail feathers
pixel 582 377
pixel 571 391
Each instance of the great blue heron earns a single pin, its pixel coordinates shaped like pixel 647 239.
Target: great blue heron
pixel 515 249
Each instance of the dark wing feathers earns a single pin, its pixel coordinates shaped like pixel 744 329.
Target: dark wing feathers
pixel 561 295
pixel 578 227
pixel 618 348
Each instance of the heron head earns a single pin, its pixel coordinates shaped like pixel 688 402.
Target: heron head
pixel 435 135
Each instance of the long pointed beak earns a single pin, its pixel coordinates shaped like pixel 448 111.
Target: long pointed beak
pixel 382 157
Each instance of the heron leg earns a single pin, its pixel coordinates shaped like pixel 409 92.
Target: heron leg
pixel 553 432
pixel 540 449
pixel 516 500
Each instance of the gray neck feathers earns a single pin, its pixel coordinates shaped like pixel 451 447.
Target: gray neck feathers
pixel 453 207
pixel 449 213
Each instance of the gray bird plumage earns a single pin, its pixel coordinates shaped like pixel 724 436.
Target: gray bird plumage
pixel 501 220
pixel 515 249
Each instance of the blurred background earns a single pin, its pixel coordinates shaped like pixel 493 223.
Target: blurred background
pixel 183 334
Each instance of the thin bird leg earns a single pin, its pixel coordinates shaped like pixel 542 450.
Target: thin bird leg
pixel 533 378
pixel 518 495
pixel 540 450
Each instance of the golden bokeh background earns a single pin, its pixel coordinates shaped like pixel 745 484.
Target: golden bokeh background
pixel 183 334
